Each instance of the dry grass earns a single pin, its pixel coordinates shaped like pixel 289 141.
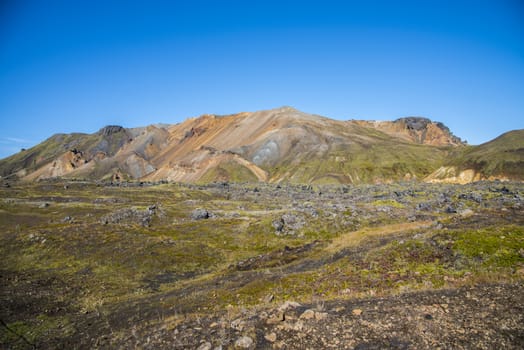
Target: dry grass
pixel 353 239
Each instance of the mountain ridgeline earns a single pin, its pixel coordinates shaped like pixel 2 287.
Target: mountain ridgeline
pixel 279 145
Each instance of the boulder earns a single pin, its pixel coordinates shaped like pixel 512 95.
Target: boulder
pixel 200 214
pixel 244 342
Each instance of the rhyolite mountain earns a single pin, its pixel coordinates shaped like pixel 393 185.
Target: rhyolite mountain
pixel 276 145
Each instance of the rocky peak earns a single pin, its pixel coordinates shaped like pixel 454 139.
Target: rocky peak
pixel 110 129
pixel 414 123
pixel 425 131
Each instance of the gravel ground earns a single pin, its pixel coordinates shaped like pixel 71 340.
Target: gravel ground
pixel 474 317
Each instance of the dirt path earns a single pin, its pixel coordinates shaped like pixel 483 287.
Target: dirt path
pixel 352 239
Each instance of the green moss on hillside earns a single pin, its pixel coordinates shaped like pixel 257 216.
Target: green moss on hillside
pixel 362 163
pixel 230 171
pixel 502 156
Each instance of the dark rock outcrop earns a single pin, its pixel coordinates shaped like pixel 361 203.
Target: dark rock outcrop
pixel 110 129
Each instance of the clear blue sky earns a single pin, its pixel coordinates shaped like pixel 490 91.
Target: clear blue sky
pixel 76 65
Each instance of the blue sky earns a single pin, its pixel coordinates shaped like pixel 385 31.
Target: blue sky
pixel 75 66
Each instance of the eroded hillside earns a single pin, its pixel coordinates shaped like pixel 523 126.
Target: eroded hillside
pixel 276 145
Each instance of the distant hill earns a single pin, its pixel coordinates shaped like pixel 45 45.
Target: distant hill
pixel 501 158
pixel 276 145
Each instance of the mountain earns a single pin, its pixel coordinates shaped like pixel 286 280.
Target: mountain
pixel 501 158
pixel 276 145
pixel 111 150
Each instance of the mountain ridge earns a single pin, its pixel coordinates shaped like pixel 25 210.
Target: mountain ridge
pixel 282 144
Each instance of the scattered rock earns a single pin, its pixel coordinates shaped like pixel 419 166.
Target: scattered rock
pixel 476 197
pixel 271 337
pixel 413 320
pixel 129 216
pixel 450 210
pixel 288 224
pixel 200 214
pixel 297 326
pixel 278 225
pixel 238 324
pixel 466 213
pixel 276 318
pixel 244 342
pixel 205 346
pixel 293 222
pixel 289 305
pixel 279 257
pixel 320 316
pixel 308 314
pixel 423 206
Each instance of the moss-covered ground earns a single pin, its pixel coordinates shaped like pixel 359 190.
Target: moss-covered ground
pixel 73 272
